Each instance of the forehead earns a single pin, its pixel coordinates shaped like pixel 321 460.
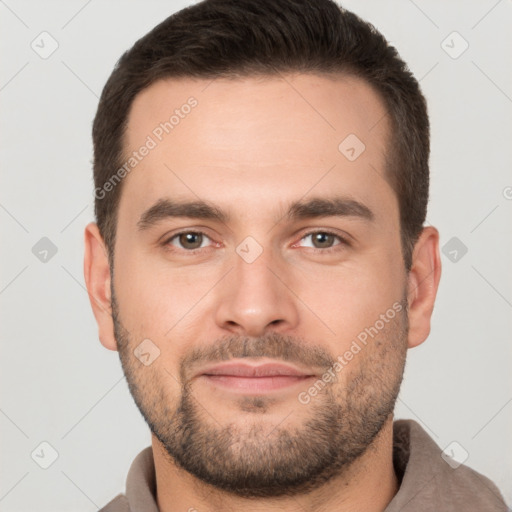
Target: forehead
pixel 256 141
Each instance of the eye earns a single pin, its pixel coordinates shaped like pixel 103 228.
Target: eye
pixel 321 240
pixel 189 240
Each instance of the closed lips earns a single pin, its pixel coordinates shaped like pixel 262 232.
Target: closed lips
pixel 250 371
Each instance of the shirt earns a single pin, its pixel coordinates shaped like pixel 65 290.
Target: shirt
pixel 429 480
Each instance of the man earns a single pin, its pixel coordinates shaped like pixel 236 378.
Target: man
pixel 261 265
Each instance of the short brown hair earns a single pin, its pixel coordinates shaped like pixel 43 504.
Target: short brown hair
pixel 237 38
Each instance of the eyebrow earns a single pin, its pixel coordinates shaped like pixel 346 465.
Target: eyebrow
pixel 166 208
pixel 316 207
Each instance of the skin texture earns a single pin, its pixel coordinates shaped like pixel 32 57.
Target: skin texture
pixel 251 147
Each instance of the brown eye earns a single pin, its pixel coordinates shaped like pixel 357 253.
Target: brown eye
pixel 323 240
pixel 189 240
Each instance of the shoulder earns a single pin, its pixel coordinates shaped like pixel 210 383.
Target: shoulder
pixel 118 504
pixel 433 481
pixel 465 486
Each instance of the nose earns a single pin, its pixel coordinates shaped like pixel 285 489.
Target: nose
pixel 255 298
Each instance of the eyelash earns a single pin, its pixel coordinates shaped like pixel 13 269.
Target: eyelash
pixel 343 241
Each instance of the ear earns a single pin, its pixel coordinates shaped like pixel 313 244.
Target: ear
pixel 423 282
pixel 97 280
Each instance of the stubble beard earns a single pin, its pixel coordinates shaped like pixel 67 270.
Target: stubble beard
pixel 264 460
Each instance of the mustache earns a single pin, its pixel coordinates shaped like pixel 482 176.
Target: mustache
pixel 271 345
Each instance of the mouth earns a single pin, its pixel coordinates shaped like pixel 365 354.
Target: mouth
pixel 242 377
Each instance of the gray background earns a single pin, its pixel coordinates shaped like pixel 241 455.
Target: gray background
pixel 59 385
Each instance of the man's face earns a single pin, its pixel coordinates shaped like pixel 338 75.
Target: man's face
pixel 256 311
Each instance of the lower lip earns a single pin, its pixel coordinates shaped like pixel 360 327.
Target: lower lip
pixel 255 384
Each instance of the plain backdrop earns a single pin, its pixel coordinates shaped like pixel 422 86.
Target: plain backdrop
pixel 60 386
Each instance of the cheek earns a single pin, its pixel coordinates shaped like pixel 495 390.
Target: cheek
pixel 343 301
pixel 157 300
pixel 142 294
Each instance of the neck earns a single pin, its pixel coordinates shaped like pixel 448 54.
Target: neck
pixel 368 484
